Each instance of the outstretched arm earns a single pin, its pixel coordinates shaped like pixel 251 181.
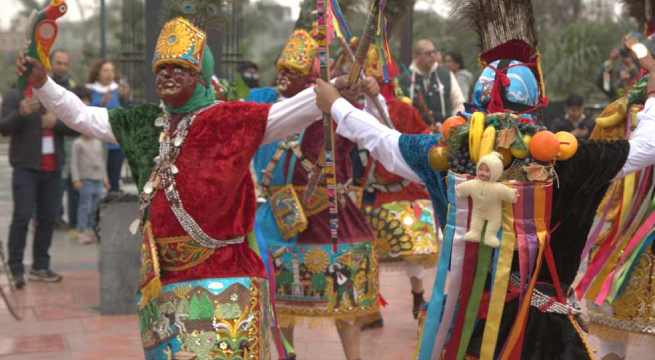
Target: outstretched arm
pixel 363 129
pixel 89 120
pixel 291 116
pixel 642 140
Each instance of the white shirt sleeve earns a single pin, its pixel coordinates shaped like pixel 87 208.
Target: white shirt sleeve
pixel 371 108
pixel 642 141
pixel 90 120
pixel 363 129
pixel 291 116
pixel 456 96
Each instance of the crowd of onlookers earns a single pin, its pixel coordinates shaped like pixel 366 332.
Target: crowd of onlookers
pixel 52 163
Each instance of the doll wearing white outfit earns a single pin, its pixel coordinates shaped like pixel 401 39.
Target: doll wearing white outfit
pixel 487 195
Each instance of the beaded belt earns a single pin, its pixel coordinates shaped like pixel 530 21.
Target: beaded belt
pixel 548 304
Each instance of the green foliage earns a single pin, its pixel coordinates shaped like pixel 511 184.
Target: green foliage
pixel 573 55
pixel 200 308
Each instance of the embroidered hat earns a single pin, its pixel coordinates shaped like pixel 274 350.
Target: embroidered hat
pixel 180 43
pixel 299 53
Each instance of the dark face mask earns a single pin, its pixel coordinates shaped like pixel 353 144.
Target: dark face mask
pixel 251 79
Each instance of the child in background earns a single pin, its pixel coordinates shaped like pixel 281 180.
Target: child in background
pixel 90 179
pixel 73 195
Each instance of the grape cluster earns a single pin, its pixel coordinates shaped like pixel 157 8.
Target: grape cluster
pixel 460 162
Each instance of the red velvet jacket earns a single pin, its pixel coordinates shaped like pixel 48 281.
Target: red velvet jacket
pixel 216 188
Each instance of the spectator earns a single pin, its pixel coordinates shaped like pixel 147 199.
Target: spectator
pixel 249 72
pixel 73 195
pixel 89 175
pixel 464 77
pixel 60 61
pixel 618 73
pixel 432 88
pixel 36 154
pixel 104 93
pixel 574 120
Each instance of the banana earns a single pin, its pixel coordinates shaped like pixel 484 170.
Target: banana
pixel 614 114
pixel 488 141
pixel 475 135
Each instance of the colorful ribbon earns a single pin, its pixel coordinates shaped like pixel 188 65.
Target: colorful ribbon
pixel 501 281
pixel 542 209
pixel 458 217
pixel 481 273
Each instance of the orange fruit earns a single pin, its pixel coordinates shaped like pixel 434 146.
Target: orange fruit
pixel 544 146
pixel 568 145
pixel 451 122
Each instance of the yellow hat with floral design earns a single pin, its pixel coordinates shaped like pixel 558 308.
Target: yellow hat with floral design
pixel 180 43
pixel 299 53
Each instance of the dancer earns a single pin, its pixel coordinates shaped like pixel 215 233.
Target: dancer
pixel 529 321
pixel 315 280
pixel 203 292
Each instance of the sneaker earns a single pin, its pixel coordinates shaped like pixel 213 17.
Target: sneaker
pixel 85 238
pixel 19 281
pixel 44 276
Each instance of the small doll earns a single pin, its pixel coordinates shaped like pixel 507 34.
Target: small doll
pixel 487 195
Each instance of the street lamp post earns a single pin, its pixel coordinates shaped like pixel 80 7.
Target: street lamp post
pixel 103 29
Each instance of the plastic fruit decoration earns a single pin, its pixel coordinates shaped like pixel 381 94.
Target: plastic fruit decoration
pixel 451 122
pixel 506 154
pixel 613 114
pixel 544 146
pixel 568 145
pixel 488 141
pixel 475 135
pixel 438 158
pixel 521 152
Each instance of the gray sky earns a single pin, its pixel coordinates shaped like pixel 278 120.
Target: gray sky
pixel 90 6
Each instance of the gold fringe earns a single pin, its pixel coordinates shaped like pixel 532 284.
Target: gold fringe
pixel 583 337
pixel 150 292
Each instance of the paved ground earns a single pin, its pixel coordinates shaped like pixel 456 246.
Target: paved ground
pixel 62 323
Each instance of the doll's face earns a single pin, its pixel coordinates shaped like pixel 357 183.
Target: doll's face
pixel 483 172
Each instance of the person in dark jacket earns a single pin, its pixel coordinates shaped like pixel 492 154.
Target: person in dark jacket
pixel 574 119
pixel 36 154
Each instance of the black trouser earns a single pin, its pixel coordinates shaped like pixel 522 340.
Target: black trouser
pixel 115 160
pixel 33 191
pixel 73 200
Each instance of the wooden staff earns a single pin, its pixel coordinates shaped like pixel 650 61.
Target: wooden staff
pixel 328 167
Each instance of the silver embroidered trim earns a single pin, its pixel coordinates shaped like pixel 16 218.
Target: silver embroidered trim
pixel 163 177
pixel 624 325
pixel 540 300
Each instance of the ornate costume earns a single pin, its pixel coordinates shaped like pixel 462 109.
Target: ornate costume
pixel 616 276
pixel 523 314
pixel 314 279
pixel 203 291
